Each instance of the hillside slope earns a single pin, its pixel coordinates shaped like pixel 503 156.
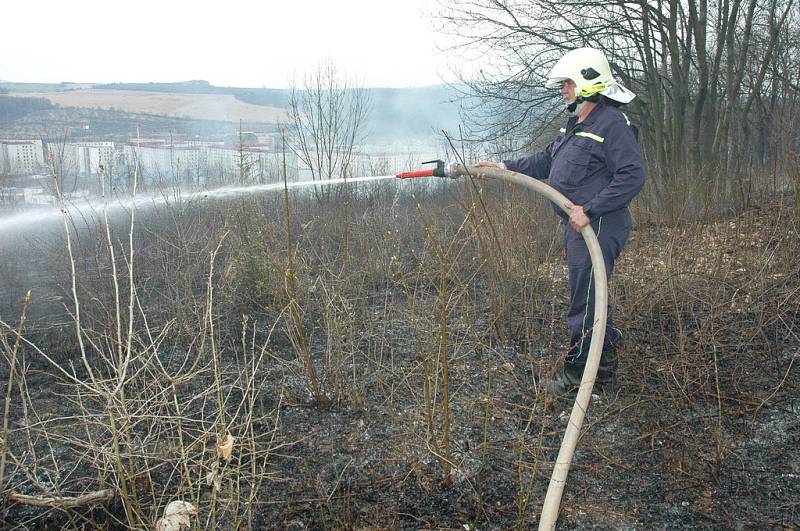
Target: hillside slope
pixel 224 107
pixel 397 114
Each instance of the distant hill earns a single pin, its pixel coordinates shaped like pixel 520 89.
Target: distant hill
pixel 11 86
pixel 219 107
pixel 263 96
pixel 12 109
pixel 398 114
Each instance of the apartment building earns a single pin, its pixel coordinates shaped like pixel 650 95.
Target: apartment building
pixel 89 156
pixel 21 157
pixel 158 161
pixel 201 163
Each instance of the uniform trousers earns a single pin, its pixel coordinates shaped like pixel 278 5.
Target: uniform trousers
pixel 612 232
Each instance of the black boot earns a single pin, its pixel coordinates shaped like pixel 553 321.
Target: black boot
pixel 607 370
pixel 567 380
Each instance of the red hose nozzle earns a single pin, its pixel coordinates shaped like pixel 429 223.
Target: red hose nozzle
pixel 417 173
pixel 438 171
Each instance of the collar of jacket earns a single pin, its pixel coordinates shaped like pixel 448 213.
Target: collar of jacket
pixel 592 117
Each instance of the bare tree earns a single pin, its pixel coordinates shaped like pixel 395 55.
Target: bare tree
pixel 702 70
pixel 327 117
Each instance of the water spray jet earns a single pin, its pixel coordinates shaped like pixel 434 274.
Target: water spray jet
pixel 49 214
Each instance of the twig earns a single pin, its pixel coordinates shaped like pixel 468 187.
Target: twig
pixel 11 370
pixel 65 502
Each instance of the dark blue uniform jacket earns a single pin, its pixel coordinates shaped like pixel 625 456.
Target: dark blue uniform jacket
pixel 597 163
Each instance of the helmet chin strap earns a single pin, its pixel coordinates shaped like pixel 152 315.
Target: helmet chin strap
pixel 575 107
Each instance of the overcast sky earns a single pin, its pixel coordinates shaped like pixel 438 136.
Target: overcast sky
pixel 238 43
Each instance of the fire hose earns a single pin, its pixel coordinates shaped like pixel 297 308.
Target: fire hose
pixel 558 479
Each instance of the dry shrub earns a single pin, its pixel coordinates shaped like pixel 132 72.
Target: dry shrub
pixel 709 309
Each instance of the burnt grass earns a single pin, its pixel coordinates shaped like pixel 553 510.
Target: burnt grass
pixel 701 429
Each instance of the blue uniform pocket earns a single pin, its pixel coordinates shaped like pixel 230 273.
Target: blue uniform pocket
pixel 573 164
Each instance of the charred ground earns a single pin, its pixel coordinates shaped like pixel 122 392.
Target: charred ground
pixel 701 430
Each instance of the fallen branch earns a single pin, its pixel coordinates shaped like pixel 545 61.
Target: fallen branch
pixel 66 502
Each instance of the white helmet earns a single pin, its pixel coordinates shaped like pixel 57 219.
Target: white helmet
pixel 588 69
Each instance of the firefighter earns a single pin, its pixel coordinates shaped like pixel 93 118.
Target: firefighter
pixel 597 163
